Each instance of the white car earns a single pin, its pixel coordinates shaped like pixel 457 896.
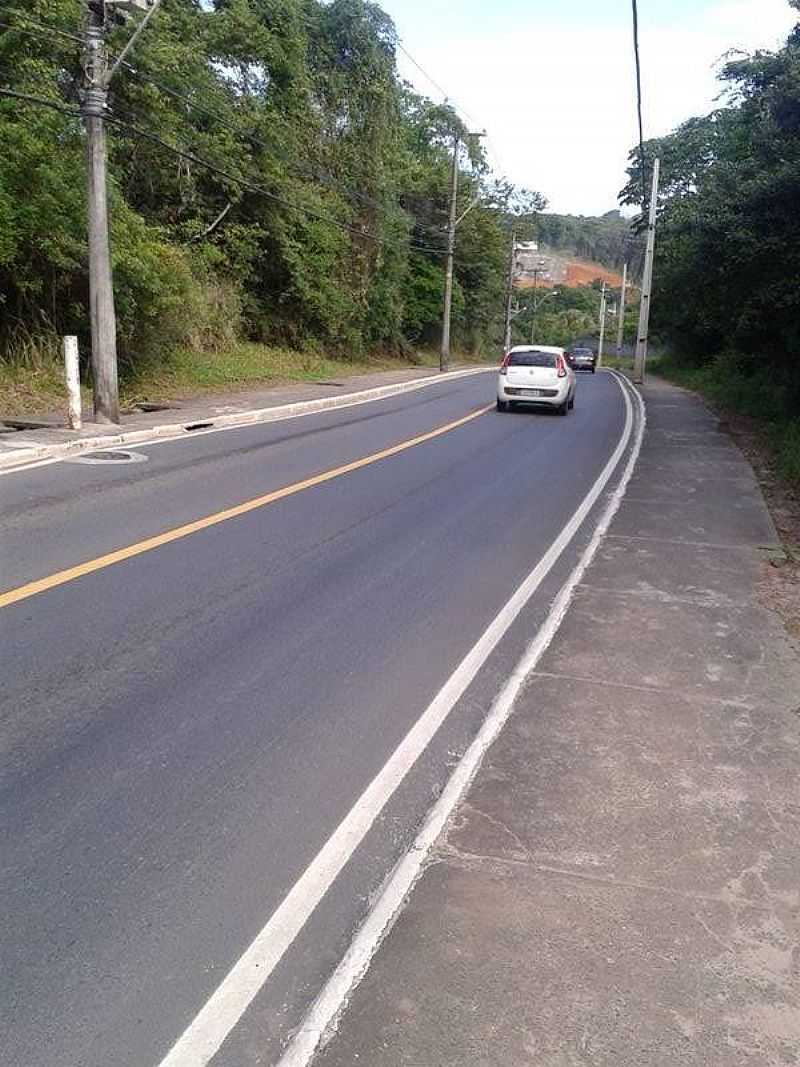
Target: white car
pixel 536 374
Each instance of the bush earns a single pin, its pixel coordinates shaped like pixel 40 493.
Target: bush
pixel 165 298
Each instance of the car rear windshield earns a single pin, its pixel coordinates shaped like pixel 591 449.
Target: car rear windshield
pixel 531 359
pixel 582 352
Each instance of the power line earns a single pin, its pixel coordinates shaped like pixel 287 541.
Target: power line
pixel 30 32
pixel 217 117
pixel 41 100
pixel 53 31
pixel 245 183
pixel 145 134
pixel 447 98
pixel 257 188
pixel 422 70
pixel 326 179
pixel 639 99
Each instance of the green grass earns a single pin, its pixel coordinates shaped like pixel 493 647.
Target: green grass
pixel 622 363
pixel 727 389
pixel 31 381
pixel 240 366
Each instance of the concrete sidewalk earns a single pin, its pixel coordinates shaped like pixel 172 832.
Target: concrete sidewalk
pixel 51 439
pixel 621 886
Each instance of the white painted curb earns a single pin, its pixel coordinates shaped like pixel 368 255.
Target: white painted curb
pixel 21 457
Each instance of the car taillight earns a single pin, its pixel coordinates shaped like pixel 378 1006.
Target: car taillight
pixel 504 364
pixel 562 369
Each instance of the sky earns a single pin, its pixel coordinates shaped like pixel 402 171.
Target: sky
pixel 552 81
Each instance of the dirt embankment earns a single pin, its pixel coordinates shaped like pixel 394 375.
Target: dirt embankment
pixel 559 269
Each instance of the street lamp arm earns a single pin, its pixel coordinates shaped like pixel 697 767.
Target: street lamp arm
pixel 131 41
pixel 464 214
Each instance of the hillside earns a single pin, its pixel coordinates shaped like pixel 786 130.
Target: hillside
pixel 607 239
pixel 565 271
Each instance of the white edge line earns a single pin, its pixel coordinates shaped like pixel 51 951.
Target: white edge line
pixel 205 1034
pixel 321 1020
pixel 172 432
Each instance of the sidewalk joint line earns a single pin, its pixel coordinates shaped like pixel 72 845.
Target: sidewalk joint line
pixel 449 854
pixel 686 544
pixel 660 596
pixel 685 694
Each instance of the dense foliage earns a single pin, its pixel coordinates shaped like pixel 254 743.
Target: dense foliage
pixel 608 239
pixel 306 202
pixel 727 273
pixel 570 316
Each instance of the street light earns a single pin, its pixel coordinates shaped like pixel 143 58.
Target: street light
pixel 536 305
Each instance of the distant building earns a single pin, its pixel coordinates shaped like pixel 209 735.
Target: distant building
pixel 529 259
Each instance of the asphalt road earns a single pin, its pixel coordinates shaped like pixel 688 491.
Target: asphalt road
pixel 181 731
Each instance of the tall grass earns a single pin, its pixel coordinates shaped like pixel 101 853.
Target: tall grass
pixel 31 376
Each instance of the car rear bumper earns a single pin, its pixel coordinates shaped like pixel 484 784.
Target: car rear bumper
pixel 549 395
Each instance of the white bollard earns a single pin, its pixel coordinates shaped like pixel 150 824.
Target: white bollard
pixel 73 380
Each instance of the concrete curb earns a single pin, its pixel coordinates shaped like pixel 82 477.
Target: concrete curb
pixel 20 458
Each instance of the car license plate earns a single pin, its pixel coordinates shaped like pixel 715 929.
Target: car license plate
pixel 531 392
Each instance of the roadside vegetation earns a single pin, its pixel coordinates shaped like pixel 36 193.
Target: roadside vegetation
pixel 275 189
pixel 566 315
pixel 279 200
pixel 727 299
pixel 32 382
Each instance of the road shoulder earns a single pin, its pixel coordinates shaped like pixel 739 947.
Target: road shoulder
pixel 49 440
pixel 619 886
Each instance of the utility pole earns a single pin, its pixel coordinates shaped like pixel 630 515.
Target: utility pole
pixel 621 324
pixel 510 291
pixel 536 271
pixel 602 326
pixel 444 355
pixel 101 286
pixel 640 358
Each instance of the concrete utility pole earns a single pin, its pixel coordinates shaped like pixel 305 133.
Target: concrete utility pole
pixel 537 270
pixel 444 355
pixel 101 287
pixel 510 291
pixel 640 358
pixel 621 324
pixel 602 326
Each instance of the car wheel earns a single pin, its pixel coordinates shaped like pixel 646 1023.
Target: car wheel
pixel 562 409
pixel 502 405
pixel 572 402
pixel 592 370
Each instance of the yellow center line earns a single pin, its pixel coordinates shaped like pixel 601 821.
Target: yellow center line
pixel 41 585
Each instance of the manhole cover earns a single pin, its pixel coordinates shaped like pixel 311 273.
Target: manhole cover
pixel 110 456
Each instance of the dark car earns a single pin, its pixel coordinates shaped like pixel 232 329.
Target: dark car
pixel 583 359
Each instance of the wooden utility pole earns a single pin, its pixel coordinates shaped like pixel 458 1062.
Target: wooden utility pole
pixel 101 287
pixel 444 355
pixel 621 324
pixel 640 358
pixel 510 291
